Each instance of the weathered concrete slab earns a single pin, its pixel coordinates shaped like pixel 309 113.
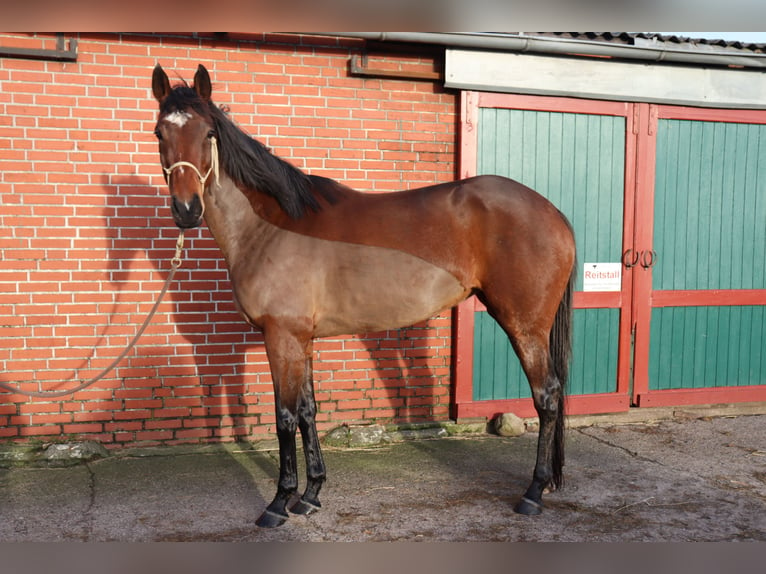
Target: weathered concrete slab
pixel 681 479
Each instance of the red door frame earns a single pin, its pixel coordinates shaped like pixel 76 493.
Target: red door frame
pixel 646 298
pixel 464 405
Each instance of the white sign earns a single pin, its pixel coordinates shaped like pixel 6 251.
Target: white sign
pixel 602 277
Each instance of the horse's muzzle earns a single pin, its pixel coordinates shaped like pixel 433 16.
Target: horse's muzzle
pixel 187 215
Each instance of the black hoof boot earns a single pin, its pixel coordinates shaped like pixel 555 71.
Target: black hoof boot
pixel 271 519
pixel 528 507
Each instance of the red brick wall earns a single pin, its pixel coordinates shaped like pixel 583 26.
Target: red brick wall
pixel 86 235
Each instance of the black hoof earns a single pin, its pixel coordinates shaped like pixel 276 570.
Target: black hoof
pixel 528 507
pixel 305 507
pixel 271 519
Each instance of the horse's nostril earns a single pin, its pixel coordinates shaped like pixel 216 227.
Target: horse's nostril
pixel 179 207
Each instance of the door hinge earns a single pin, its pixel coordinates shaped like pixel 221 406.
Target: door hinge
pixel 653 114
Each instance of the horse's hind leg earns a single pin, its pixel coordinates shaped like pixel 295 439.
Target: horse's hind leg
pixel 532 345
pixel 290 360
pixel 547 394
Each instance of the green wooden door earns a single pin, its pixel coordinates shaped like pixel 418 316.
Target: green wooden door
pixel 576 160
pixel 709 283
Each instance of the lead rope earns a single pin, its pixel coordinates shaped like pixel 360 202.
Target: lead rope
pixel 175 263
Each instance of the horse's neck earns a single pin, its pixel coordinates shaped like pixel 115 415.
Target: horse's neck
pixel 232 220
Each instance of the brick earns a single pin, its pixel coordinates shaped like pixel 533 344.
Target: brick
pixel 193 433
pixel 166 424
pixel 83 428
pixel 42 430
pixel 92 416
pixel 151 435
pixel 171 412
pixel 9 432
pixel 123 426
pixel 131 415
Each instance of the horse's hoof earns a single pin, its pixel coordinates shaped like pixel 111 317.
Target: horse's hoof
pixel 305 507
pixel 271 519
pixel 528 507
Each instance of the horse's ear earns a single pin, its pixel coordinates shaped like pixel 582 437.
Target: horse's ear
pixel 202 83
pixel 160 83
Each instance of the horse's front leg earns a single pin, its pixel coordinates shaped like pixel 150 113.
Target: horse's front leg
pixel 315 468
pixel 276 512
pixel 289 352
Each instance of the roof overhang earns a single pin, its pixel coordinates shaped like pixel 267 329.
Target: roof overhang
pixel 601 79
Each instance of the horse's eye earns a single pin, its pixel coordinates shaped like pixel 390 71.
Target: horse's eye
pixel 211 134
pixel 158 134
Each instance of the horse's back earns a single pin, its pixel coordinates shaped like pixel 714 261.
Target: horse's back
pixel 462 226
pixel 489 222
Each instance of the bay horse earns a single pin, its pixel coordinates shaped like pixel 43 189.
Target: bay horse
pixel 310 257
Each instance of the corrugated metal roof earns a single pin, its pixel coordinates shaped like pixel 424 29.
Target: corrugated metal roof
pixel 648 39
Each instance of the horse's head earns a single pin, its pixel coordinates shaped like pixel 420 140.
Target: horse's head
pixel 187 139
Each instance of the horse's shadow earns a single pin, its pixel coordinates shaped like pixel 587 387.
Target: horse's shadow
pixel 204 381
pixel 407 385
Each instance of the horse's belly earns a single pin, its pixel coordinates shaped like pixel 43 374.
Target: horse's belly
pixel 372 289
pixel 340 288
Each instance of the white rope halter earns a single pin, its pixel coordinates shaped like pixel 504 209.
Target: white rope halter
pixel 213 165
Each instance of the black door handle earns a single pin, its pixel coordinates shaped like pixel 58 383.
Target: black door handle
pixel 648 258
pixel 630 258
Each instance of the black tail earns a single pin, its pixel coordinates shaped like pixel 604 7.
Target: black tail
pixel 561 352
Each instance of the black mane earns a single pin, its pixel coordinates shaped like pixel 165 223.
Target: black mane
pixel 246 160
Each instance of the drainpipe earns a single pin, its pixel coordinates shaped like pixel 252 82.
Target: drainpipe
pixel 542 45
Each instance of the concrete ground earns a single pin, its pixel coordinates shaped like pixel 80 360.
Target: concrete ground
pixel 689 476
